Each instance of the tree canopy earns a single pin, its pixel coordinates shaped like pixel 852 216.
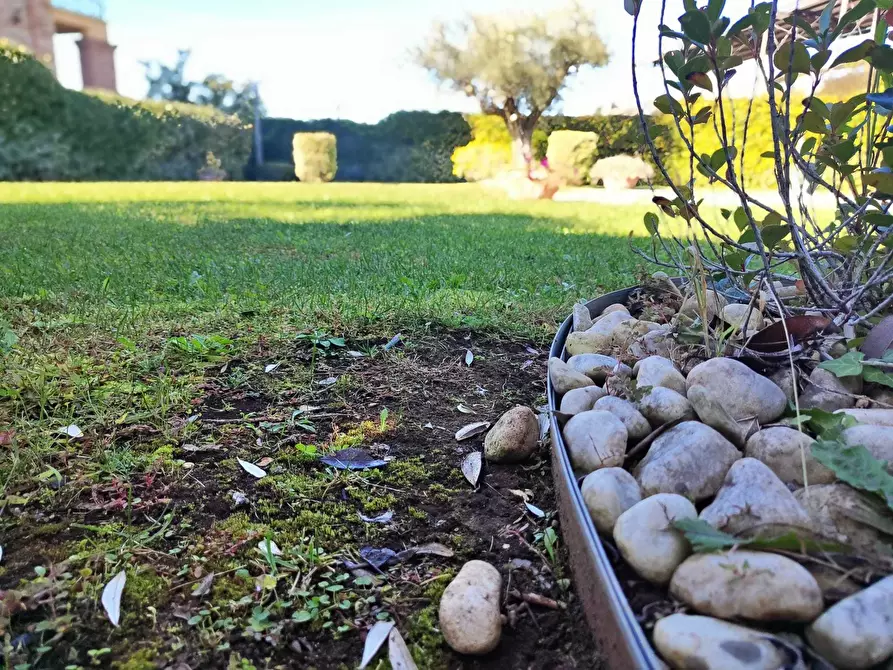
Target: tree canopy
pixel 215 90
pixel 515 66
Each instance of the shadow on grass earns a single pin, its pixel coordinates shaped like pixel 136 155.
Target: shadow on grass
pixel 164 255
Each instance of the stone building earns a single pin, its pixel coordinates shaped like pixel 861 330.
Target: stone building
pixel 32 23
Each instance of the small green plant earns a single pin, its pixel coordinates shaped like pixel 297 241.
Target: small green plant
pixel 320 341
pixel 8 338
pixel 549 539
pixel 200 346
pixel 383 420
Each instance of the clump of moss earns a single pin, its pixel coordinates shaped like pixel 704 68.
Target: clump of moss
pixel 145 587
pixel 424 637
pixel 144 659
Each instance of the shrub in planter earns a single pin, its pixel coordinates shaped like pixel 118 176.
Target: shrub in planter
pixel 766 375
pixel 315 156
pixel 211 170
pixel 571 154
pixel 620 172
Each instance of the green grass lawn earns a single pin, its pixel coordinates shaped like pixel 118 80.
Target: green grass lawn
pixel 127 256
pixel 147 315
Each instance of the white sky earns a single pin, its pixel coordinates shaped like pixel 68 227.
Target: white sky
pixel 346 58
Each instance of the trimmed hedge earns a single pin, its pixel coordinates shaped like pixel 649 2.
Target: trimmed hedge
pixel 48 132
pixel 316 157
pixel 572 153
pixel 404 147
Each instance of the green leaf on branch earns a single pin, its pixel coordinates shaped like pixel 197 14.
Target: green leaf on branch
pixel 813 122
pixel 877 376
pixel 741 219
pixel 700 79
pixel 882 58
pixel 856 467
pixel 793 58
pixel 669 105
pixel 828 425
pixel 772 235
pixel 651 223
pixel 848 365
pixel 714 9
pixel 854 54
pixel 696 26
pixel 881 179
pixel 705 538
pixel 864 8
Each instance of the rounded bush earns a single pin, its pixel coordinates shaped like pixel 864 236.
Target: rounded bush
pixel 316 158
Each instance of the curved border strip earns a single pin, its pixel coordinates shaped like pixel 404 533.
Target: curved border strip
pixel 621 638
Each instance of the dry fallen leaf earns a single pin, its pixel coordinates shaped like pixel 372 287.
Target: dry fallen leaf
pixel 465 409
pixel 524 495
pixel 381 518
pixel 204 587
pixel 268 546
pixel 72 431
pixel 536 511
pixel 252 469
pixel 264 462
pixel 6 437
pixel 471 467
pixel 472 429
pixel 271 367
pixel 398 653
pixel 469 357
pixel 376 637
pixel 111 597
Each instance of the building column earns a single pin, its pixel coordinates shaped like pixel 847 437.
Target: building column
pixel 97 63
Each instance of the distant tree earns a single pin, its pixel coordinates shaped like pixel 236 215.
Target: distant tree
pixel 216 90
pixel 514 67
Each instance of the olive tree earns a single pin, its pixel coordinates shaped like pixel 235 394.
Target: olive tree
pixel 516 67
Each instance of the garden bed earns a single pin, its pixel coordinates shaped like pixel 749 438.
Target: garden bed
pixel 211 514
pixel 624 600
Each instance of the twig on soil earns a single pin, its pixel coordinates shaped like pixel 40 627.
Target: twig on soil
pixel 196 581
pixel 537 599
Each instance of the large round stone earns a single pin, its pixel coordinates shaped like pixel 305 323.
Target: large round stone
pixel 662 405
pixel 469 609
pixel 785 450
pixel 751 497
pixel 690 459
pixel 704 643
pixel 513 438
pixel 857 632
pixel 595 440
pixel 647 539
pixel 608 493
pixel 748 584
pixel 636 425
pixel 659 371
pixel 742 392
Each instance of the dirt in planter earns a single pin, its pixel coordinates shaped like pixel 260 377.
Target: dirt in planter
pixel 195 512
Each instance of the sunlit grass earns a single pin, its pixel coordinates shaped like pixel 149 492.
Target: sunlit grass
pixel 347 254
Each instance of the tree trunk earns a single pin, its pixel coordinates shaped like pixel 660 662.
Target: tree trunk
pixel 522 150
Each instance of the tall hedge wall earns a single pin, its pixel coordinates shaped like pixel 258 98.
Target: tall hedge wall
pixel 404 147
pixel 48 132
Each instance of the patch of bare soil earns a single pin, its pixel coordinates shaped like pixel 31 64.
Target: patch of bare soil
pixel 195 518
